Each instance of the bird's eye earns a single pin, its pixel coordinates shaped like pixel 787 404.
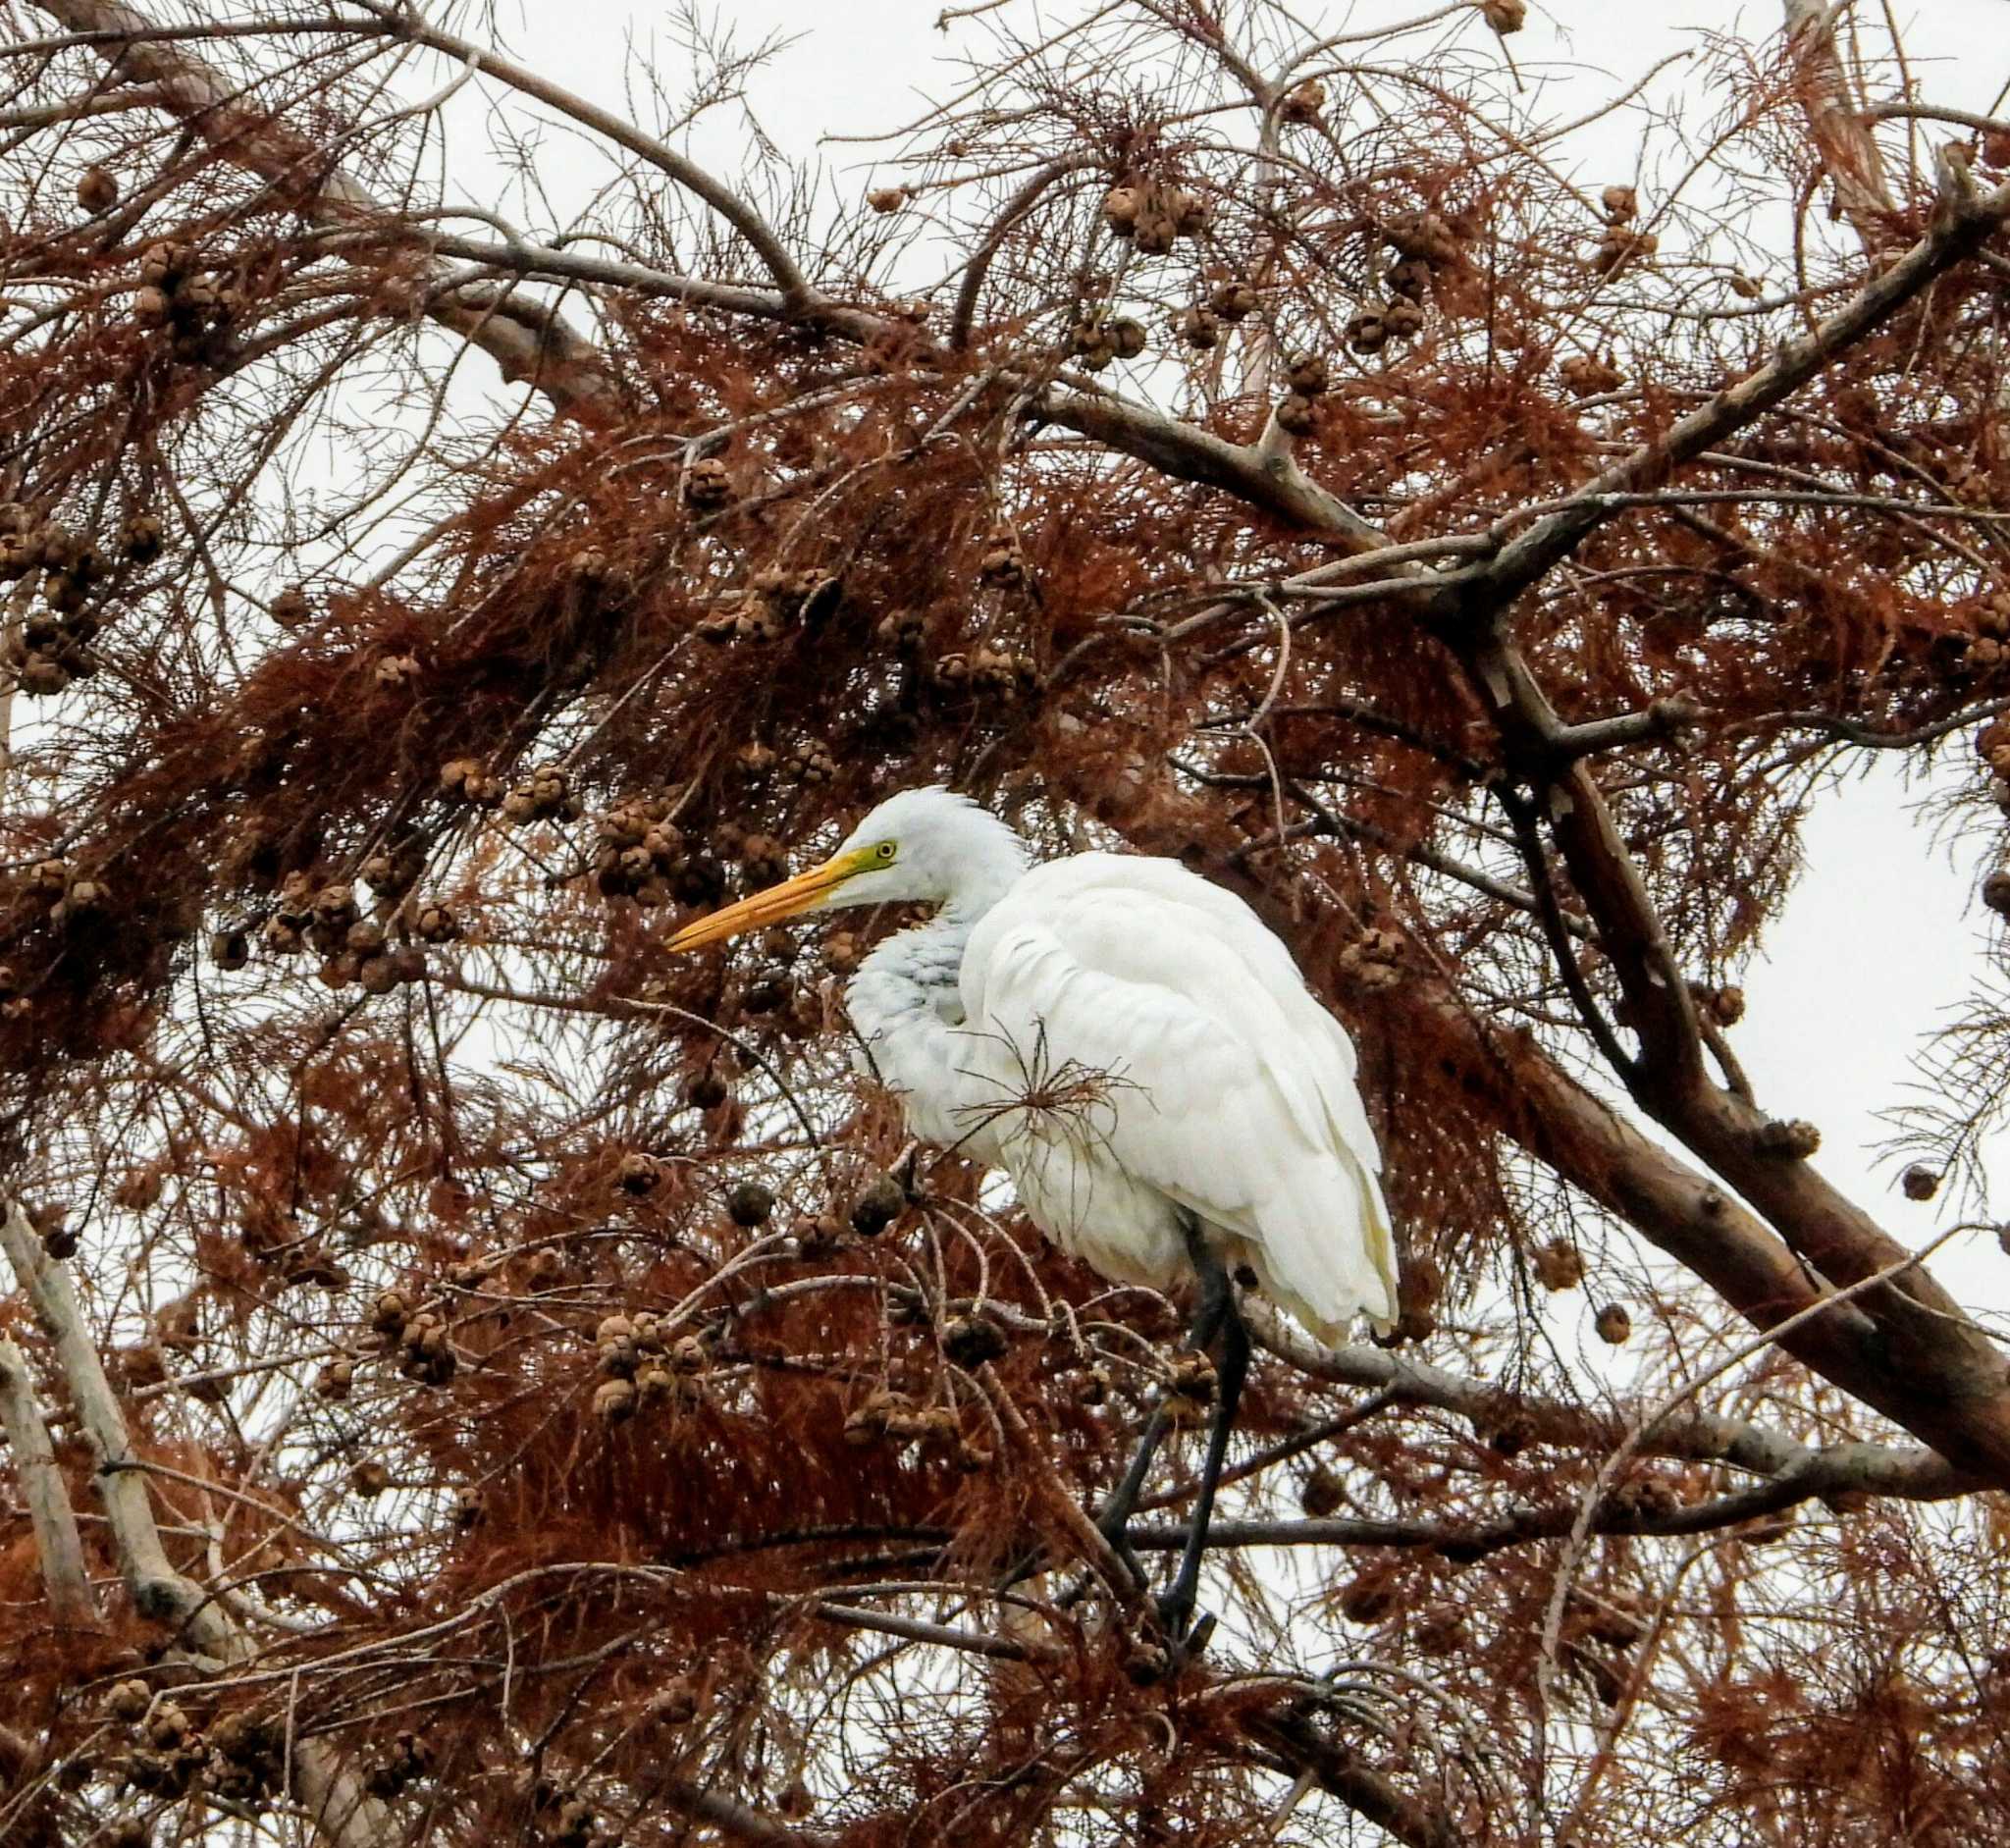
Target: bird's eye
pixel 884 850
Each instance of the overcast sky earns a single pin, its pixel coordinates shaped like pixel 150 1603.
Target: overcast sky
pixel 1884 936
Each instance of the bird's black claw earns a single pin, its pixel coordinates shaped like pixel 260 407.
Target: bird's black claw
pixel 1150 1661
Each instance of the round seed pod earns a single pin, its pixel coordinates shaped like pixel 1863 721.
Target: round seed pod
pixel 1369 1597
pixel 64 592
pixel 1920 1181
pixel 1191 213
pixel 1199 329
pixel 813 763
pixel 1367 332
pixel 614 1401
pixel 764 858
pixel 1089 342
pixel 885 199
pixel 1127 336
pixel 972 1339
pixel 229 949
pixel 817 1236
pixel 1438 1630
pixel 1120 210
pixel 397 672
pixel 750 1203
pixel 1558 1265
pixel 377 974
pixel 1295 413
pixel 1504 16
pixel 370 1477
pixel 1302 102
pixel 1308 375
pixel 708 482
pixel 151 306
pixel 334 905
pixel 1996 893
pixel 162 265
pixel 1153 231
pixel 706 1090
pixel 436 925
pixel 1233 301
pixel 96 189
pixel 281 937
pixel 167 1725
pixel 1422 235
pixel 128 1701
pixel 1408 278
pixel 1402 319
pixel 877 1207
pixel 638 1174
pixel 195 302
pixel 1613 1324
pixel 335 1380
pixel 1322 1494
pixel 1622 244
pixel 1002 562
pixel 1620 204
pixel 390 1310
pixel 292 607
pixel 42 676
pixel 1585 376
pixel 140 538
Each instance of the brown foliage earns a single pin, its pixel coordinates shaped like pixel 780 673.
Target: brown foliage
pixel 542 1354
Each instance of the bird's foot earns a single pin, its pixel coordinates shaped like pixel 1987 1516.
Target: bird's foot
pixel 1182 1639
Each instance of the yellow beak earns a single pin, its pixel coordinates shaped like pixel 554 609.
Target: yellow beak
pixel 786 900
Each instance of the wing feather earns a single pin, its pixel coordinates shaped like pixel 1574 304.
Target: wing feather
pixel 1226 1086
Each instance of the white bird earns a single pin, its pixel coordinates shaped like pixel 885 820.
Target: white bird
pixel 1134 1048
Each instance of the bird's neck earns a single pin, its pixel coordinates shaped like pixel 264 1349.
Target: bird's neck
pixel 914 973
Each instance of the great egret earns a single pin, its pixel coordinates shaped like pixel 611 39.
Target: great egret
pixel 1140 1054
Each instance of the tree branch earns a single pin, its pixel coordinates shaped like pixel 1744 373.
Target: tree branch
pixel 562 365
pixel 58 1545
pixel 1961 222
pixel 342 1812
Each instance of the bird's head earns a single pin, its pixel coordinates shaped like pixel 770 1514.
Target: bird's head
pixel 923 845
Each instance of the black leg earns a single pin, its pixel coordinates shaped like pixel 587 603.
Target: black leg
pixel 1176 1606
pixel 1216 1306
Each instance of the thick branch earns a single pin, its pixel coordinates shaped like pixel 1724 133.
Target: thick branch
pixel 58 1545
pixel 406 24
pixel 1849 150
pixel 565 367
pixel 345 1816
pixel 1272 481
pixel 1915 1475
pixel 1960 225
pixel 1520 1092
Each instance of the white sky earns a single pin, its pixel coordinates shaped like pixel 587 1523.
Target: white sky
pixel 1884 936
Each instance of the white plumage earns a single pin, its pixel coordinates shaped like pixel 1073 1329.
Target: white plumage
pixel 1229 1092
pixel 1139 1053
pixel 1127 1041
